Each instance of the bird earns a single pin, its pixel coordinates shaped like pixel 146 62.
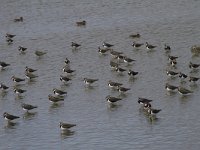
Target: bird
pixel 167 48
pixel 107 45
pixel 170 87
pixel 113 64
pixel 172 58
pixel 81 23
pixel 66 126
pixel 20 19
pixel 3 64
pixel 40 53
pixel 10 36
pixel 120 70
pixel 173 63
pixel 16 79
pixel 75 45
pixel 171 73
pixel 89 81
pixel 137 35
pixel 30 75
pixel 193 66
pixel 114 84
pixel 152 111
pixel 128 60
pixel 67 61
pixel 111 99
pixel 58 92
pixel 132 73
pixel 68 71
pixel 28 107
pixel 102 50
pixel 115 53
pixel 19 91
pixel 193 79
pixel 182 75
pixel 9 117
pixel 3 86
pixel 150 47
pixel 137 45
pixel 123 89
pixel 184 91
pixel 30 70
pixel 22 49
pixel 64 79
pixel 120 57
pixel 143 101
pixel 55 99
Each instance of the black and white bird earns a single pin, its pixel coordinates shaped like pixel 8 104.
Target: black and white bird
pixel 152 111
pixel 103 50
pixel 132 73
pixel 9 117
pixel 170 88
pixel 18 91
pixel 64 79
pixel 22 49
pixel 55 99
pixel 17 79
pixel 114 84
pixel 137 45
pixel 67 61
pixel 3 65
pixel 123 89
pixel 173 63
pixel 66 126
pixel 30 70
pixel 193 79
pixel 182 75
pixel 3 87
pixel 20 19
pixel 143 101
pixel 10 35
pixel 59 92
pixel 111 99
pixel 75 45
pixel 193 65
pixel 150 47
pixel 128 60
pixel 89 81
pixel 30 75
pixel 107 45
pixel 68 70
pixel 172 58
pixel 27 107
pixel 171 73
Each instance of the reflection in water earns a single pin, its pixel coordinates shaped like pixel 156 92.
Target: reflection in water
pixel 29 115
pixel 18 97
pixel 4 93
pixel 31 81
pixel 10 125
pixel 66 133
pixel 55 106
pixel 150 118
pixel 113 107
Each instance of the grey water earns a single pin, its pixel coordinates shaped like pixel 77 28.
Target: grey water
pixel 50 26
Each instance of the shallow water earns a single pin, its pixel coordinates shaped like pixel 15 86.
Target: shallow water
pixel 50 26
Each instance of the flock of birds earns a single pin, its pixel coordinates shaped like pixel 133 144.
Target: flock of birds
pixel 115 63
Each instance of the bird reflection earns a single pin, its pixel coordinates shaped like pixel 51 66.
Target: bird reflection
pixel 66 133
pixel 55 106
pixel 29 115
pixel 113 107
pixel 10 125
